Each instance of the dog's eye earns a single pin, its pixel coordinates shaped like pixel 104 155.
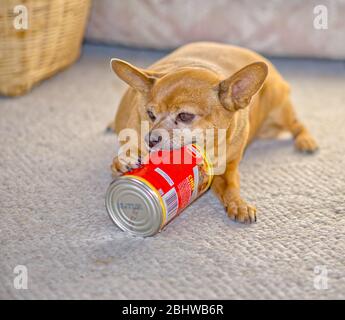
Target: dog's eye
pixel 151 115
pixel 185 117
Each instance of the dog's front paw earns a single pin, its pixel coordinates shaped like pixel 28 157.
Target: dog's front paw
pixel 122 164
pixel 238 210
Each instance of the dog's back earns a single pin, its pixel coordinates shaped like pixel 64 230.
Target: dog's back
pixel 221 58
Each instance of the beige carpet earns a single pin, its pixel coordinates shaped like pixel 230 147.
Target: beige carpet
pixel 54 170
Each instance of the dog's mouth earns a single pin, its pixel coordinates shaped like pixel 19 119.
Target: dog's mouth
pixel 166 146
pixel 162 139
pixel 171 144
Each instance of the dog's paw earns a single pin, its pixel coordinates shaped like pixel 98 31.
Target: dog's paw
pixel 304 142
pixel 122 164
pixel 238 210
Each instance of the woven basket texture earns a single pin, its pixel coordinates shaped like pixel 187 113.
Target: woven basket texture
pixel 51 41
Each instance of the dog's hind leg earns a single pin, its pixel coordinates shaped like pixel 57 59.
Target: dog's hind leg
pixel 288 120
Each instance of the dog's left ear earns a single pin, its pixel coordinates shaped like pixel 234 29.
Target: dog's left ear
pixel 236 92
pixel 139 79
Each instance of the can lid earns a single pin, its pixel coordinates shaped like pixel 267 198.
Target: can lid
pixel 134 206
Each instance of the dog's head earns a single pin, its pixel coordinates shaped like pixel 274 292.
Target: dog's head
pixel 181 105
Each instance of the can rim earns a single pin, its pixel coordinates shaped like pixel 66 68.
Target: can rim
pixel 152 194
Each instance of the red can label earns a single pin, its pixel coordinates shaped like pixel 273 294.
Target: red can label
pixel 177 176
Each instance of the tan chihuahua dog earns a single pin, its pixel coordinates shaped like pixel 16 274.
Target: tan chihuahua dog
pixel 209 85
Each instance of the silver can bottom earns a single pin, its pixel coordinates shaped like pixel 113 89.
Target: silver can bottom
pixel 134 207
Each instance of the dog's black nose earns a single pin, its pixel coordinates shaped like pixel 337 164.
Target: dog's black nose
pixel 153 140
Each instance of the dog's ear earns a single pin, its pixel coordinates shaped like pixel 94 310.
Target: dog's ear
pixel 236 92
pixel 139 79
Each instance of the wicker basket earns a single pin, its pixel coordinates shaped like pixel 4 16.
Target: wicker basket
pixel 51 42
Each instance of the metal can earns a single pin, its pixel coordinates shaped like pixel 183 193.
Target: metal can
pixel 144 200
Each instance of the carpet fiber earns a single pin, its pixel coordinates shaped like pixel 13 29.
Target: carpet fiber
pixel 54 170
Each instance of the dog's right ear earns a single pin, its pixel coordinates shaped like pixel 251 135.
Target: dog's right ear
pixel 139 79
